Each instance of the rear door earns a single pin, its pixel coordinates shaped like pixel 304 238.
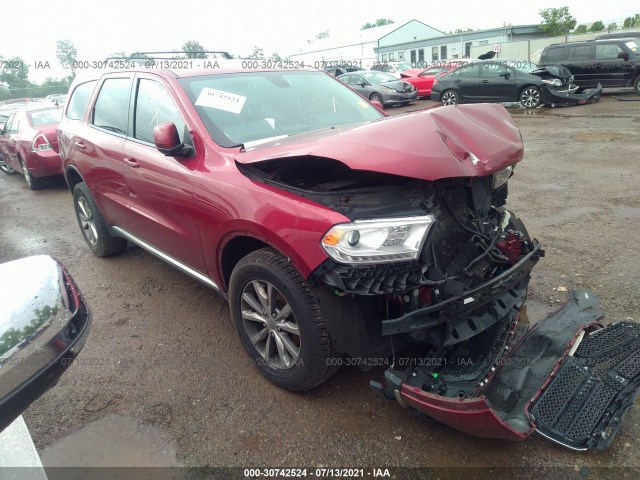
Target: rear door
pixel 160 188
pixel 498 83
pixel 466 81
pixel 580 62
pixel 95 145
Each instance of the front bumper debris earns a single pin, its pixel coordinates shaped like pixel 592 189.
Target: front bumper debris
pixel 569 378
pixel 497 290
pixel 571 97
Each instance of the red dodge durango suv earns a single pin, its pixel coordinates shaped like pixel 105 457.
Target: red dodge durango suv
pixel 338 233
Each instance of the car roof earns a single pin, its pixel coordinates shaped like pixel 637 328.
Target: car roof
pixel 589 42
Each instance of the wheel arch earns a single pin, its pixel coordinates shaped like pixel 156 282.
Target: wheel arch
pixel 237 244
pixel 72 177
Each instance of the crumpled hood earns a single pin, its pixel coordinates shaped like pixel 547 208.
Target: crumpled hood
pixel 444 142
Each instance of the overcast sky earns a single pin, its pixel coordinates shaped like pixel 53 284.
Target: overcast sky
pixel 30 29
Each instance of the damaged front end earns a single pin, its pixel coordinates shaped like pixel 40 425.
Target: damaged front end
pixel 559 89
pixel 437 269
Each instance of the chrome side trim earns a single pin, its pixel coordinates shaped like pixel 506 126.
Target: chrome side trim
pixel 163 256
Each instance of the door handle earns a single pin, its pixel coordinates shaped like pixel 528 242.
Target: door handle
pixel 484 81
pixel 131 162
pixel 80 145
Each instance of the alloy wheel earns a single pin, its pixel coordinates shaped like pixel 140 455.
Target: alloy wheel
pixel 449 98
pixel 270 325
pixel 530 98
pixel 87 222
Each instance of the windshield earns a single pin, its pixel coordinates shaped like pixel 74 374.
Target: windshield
pixel 378 77
pixel 239 108
pixel 45 117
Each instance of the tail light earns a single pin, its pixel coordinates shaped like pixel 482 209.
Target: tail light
pixel 40 143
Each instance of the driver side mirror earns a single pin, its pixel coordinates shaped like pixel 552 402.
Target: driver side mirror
pixel 167 141
pixel 623 55
pixel 506 75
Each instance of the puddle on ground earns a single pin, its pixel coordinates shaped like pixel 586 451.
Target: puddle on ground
pixel 113 441
pixel 599 137
pixel 532 312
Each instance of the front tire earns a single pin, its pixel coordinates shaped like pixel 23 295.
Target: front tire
pixel 530 97
pixel 377 98
pixel 636 85
pixel 449 97
pixel 279 322
pixel 92 224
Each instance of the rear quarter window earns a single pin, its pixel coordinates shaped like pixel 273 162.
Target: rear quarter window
pixel 79 100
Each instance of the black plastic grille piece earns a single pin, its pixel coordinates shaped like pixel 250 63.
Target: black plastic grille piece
pixel 583 404
pixel 603 340
pixel 555 399
pixel 375 279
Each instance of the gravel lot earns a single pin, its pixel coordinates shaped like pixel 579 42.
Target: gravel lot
pixel 163 379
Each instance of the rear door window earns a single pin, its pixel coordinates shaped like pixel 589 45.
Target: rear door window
pixel 111 110
pixel 79 100
pixel 580 52
pixel 554 54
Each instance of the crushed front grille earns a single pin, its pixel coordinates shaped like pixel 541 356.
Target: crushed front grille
pixel 375 279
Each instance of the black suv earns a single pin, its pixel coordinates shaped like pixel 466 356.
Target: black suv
pixel 610 62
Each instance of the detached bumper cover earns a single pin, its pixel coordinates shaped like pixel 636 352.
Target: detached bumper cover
pixel 558 97
pixel 573 390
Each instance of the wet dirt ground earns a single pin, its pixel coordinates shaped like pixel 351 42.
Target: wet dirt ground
pixel 164 371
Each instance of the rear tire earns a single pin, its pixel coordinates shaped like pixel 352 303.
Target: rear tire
pixel 279 322
pixel 34 183
pixel 92 224
pixel 636 85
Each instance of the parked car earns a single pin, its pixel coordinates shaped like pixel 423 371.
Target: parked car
pixel 44 323
pixel 612 62
pixel 337 70
pixel 423 79
pixel 29 144
pixel 380 87
pixel 496 81
pixel 392 68
pixel 334 230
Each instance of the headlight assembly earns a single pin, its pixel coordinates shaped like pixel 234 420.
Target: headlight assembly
pixel 377 241
pixel 501 177
pixel 556 82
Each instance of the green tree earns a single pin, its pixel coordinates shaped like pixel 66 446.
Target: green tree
pixel 67 55
pixel 276 57
pixel 194 49
pixel 632 21
pixel 556 21
pixel 581 29
pixel 15 73
pixel 597 26
pixel 379 23
pixel 257 53
pixel 612 26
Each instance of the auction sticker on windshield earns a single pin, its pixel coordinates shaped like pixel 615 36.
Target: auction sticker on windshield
pixel 221 100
